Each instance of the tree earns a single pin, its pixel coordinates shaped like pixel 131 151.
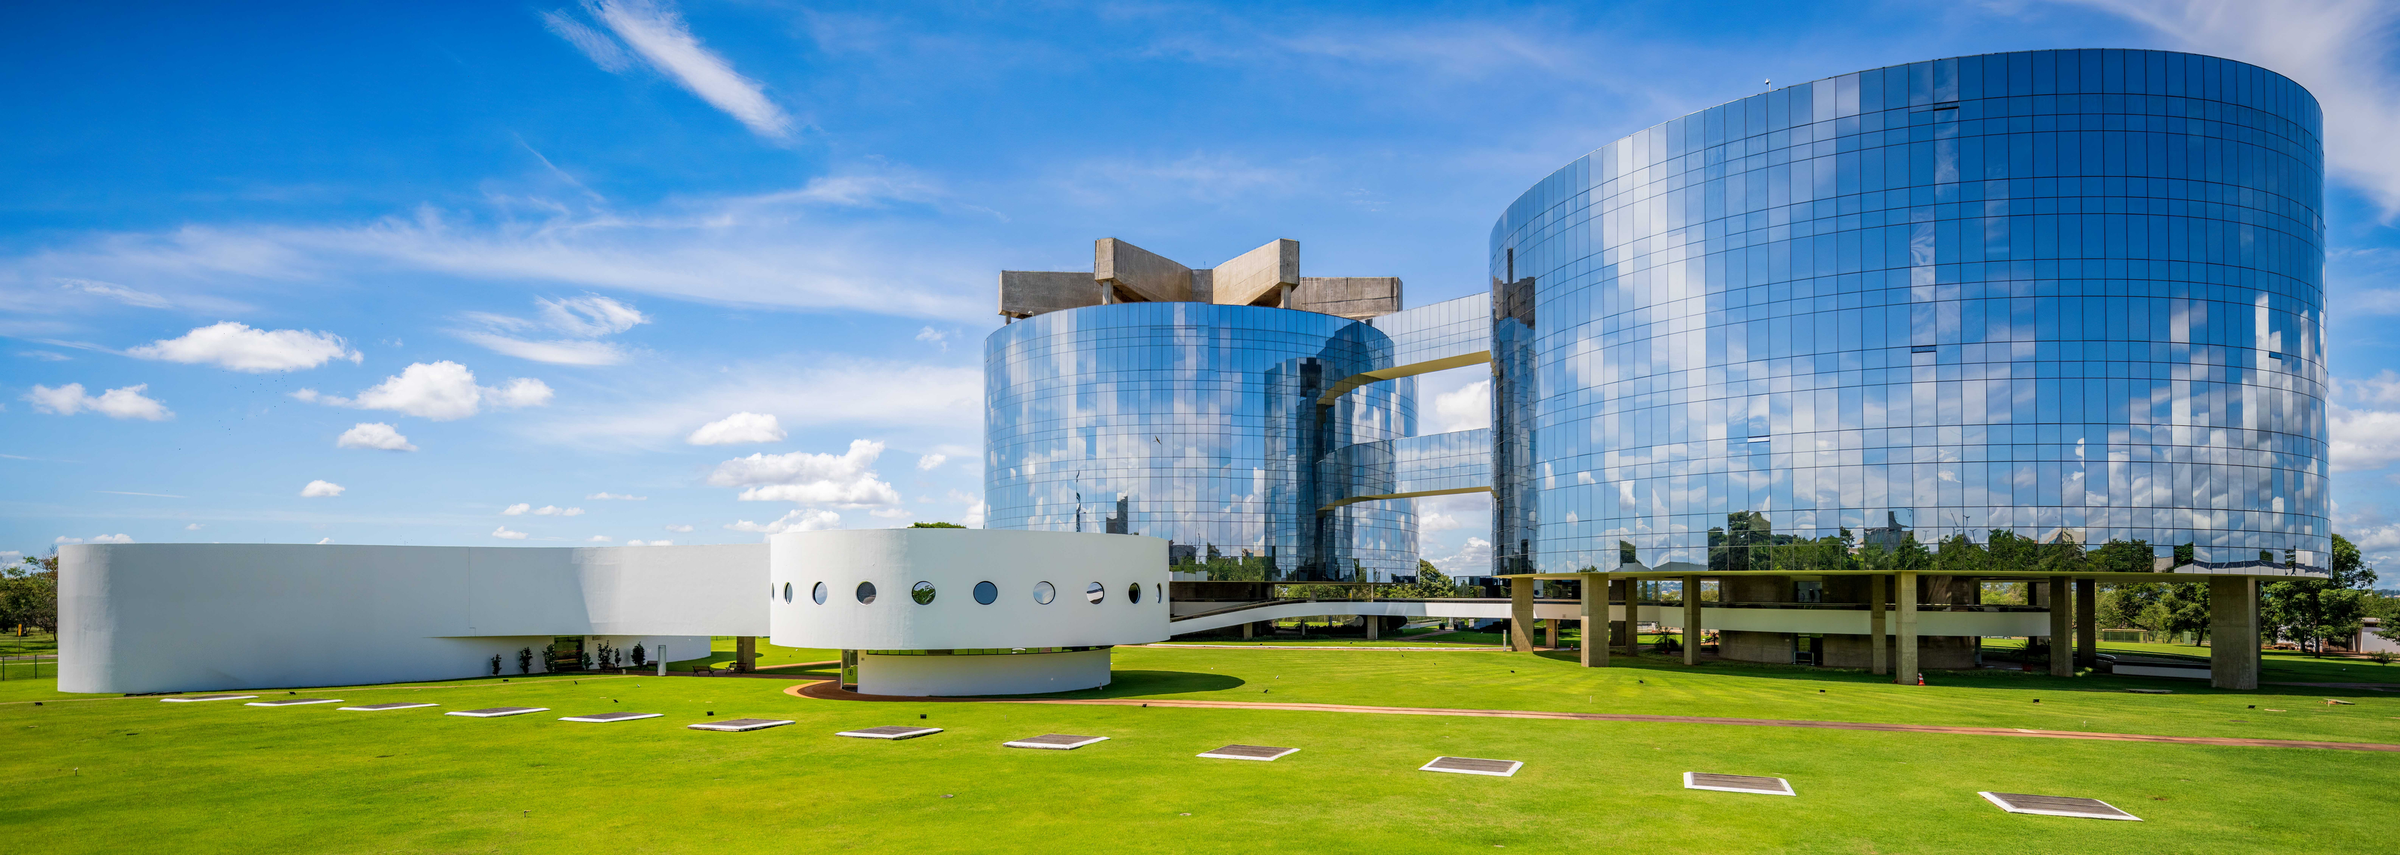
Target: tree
pixel 29 594
pixel 934 525
pixel 1431 584
pixel 2311 610
pixel 525 660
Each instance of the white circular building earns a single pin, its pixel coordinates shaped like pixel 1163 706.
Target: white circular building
pixel 928 612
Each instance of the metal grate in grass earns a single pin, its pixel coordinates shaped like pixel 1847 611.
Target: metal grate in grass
pixel 499 712
pixel 293 702
pixel 2057 806
pixel 739 725
pixel 1247 752
pixel 199 698
pixel 1055 741
pixel 1473 766
pixel 1737 784
pixel 890 731
pixel 403 705
pixel 606 717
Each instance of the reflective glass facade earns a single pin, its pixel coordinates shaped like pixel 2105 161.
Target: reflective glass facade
pixel 2064 293
pixel 1200 424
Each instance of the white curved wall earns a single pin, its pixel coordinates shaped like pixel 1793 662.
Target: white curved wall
pixel 1006 674
pixel 954 560
pixel 160 617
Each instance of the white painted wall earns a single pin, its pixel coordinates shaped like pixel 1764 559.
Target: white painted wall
pixel 158 617
pixel 1012 674
pixel 953 560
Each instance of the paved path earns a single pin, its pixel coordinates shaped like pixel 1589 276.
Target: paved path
pixel 831 691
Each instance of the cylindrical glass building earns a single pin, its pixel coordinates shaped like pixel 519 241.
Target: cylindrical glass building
pixel 1203 424
pixel 2072 295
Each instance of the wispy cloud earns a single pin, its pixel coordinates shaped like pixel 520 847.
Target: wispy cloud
pixel 119 293
pixel 440 391
pixel 583 320
pixel 658 34
pixel 2342 50
pixel 124 403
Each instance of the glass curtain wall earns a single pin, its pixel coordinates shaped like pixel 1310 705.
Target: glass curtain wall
pixel 2002 300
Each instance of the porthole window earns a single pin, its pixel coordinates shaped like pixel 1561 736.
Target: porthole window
pixel 1162 591
pixel 922 592
pixel 1044 592
pixel 1133 592
pixel 986 592
pixel 787 592
pixel 818 594
pixel 1096 593
pixel 866 592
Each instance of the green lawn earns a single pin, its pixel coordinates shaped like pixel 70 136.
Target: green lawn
pixel 123 774
pixel 721 648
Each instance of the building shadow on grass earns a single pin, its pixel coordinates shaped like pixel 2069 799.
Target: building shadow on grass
pixel 1148 684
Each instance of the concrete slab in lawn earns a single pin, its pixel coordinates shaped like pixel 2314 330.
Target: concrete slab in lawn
pixel 1753 784
pixel 890 731
pixel 606 717
pixel 1055 741
pixel 193 699
pixel 403 705
pixel 1247 752
pixel 1474 766
pixel 498 712
pixel 2079 808
pixel 293 702
pixel 739 725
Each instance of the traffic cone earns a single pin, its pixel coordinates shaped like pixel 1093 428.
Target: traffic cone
pixel 1920 678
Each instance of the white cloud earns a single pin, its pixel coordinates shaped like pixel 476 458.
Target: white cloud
pixel 822 390
pixel 1466 408
pixel 890 513
pixel 518 509
pixel 63 540
pixel 811 479
pixel 112 538
pixel 1472 559
pixel 236 346
pixel 2362 439
pixel 617 497
pixel 321 490
pixel 738 429
pixel 975 514
pixel 598 538
pixel 374 435
pixel 441 391
pixel 192 527
pixel 10 556
pixel 582 320
pixel 2341 50
pixel 504 534
pixel 324 540
pixel 659 35
pixel 124 403
pixel 933 336
pixel 649 543
pixel 2383 388
pixel 522 508
pixel 928 462
pixel 119 293
pixel 679 527
pixel 799 520
pixel 602 50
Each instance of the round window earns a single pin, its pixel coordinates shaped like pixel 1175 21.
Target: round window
pixel 986 592
pixel 866 592
pixel 787 592
pixel 1044 592
pixel 1133 592
pixel 1096 592
pixel 1162 591
pixel 818 594
pixel 922 592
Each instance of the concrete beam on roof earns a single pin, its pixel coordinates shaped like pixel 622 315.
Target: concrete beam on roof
pixel 1026 293
pixel 1259 277
pixel 1138 273
pixel 1355 297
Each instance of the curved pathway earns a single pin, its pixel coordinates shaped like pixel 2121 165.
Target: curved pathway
pixel 832 691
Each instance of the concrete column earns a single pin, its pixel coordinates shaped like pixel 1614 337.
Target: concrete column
pixel 1875 599
pixel 2087 623
pixel 1595 620
pixel 1247 627
pixel 1550 633
pixel 1907 595
pixel 745 652
pixel 1374 626
pixel 1633 617
pixel 1691 620
pixel 2062 630
pixel 2233 632
pixel 1520 615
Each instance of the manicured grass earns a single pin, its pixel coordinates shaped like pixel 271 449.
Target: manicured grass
pixel 721 654
pixel 2275 666
pixel 122 774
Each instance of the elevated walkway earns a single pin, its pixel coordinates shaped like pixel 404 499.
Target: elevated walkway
pixel 1931 620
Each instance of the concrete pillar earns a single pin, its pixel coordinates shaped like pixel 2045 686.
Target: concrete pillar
pixel 2087 623
pixel 745 652
pixel 1881 663
pixel 1691 620
pixel 1907 595
pixel 1374 626
pixel 1550 633
pixel 2062 630
pixel 1520 615
pixel 1595 620
pixel 1633 617
pixel 1247 628
pixel 2233 632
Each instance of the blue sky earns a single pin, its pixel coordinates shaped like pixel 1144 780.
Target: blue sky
pixel 566 273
